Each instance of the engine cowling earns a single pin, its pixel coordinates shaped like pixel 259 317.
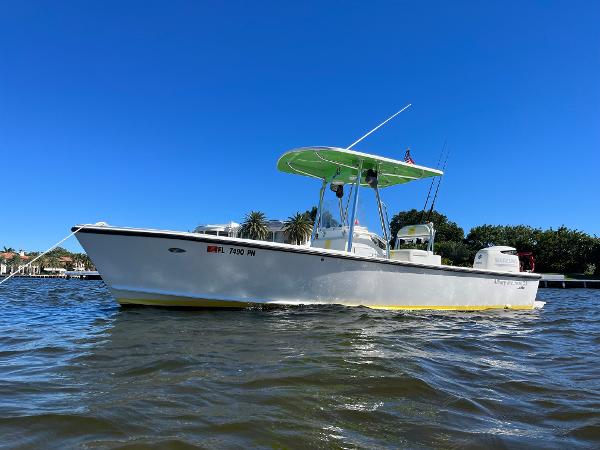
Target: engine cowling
pixel 500 258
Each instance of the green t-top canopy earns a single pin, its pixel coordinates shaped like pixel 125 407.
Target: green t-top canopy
pixel 340 165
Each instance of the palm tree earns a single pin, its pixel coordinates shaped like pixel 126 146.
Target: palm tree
pixel 87 262
pixel 16 261
pixel 53 262
pixel 41 263
pixel 311 214
pixel 298 228
pixel 8 250
pixel 76 260
pixel 255 226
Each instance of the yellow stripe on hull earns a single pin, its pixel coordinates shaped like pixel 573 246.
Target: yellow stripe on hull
pixel 448 308
pixel 203 303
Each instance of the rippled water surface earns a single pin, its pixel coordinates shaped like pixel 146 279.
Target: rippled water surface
pixel 77 371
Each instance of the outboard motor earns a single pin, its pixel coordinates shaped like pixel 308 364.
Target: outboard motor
pixel 500 258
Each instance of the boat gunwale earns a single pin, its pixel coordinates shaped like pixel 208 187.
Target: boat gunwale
pixel 275 246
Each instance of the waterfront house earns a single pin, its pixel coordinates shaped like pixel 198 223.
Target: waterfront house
pixel 11 262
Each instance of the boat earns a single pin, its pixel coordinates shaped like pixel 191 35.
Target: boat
pixel 83 274
pixel 343 263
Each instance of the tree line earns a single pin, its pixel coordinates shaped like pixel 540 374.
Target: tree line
pixel 562 250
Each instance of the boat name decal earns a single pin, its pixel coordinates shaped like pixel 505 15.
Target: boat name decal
pixel 519 283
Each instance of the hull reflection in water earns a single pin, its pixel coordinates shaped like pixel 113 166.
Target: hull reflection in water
pixel 165 268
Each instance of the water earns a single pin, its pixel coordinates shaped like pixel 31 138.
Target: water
pixel 77 371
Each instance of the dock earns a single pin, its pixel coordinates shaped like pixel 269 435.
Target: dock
pixel 571 284
pixel 81 275
pixel 560 282
pixel 35 276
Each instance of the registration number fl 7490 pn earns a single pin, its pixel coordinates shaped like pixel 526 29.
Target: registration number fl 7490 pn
pixel 232 250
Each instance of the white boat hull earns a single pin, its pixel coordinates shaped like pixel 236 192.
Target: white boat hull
pixel 150 267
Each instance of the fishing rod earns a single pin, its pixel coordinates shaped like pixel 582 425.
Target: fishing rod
pixel 437 189
pixel 437 166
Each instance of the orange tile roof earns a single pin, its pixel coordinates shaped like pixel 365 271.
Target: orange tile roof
pixel 11 255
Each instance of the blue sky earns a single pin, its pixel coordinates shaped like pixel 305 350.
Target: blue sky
pixel 171 114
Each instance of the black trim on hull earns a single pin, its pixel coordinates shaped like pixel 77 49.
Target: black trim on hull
pixel 309 251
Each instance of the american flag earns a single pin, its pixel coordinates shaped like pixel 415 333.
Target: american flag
pixel 407 158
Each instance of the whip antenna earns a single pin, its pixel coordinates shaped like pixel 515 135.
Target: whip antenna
pixel 377 127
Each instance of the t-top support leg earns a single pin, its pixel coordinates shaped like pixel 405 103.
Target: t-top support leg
pixel 354 205
pixel 317 223
pixel 383 224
